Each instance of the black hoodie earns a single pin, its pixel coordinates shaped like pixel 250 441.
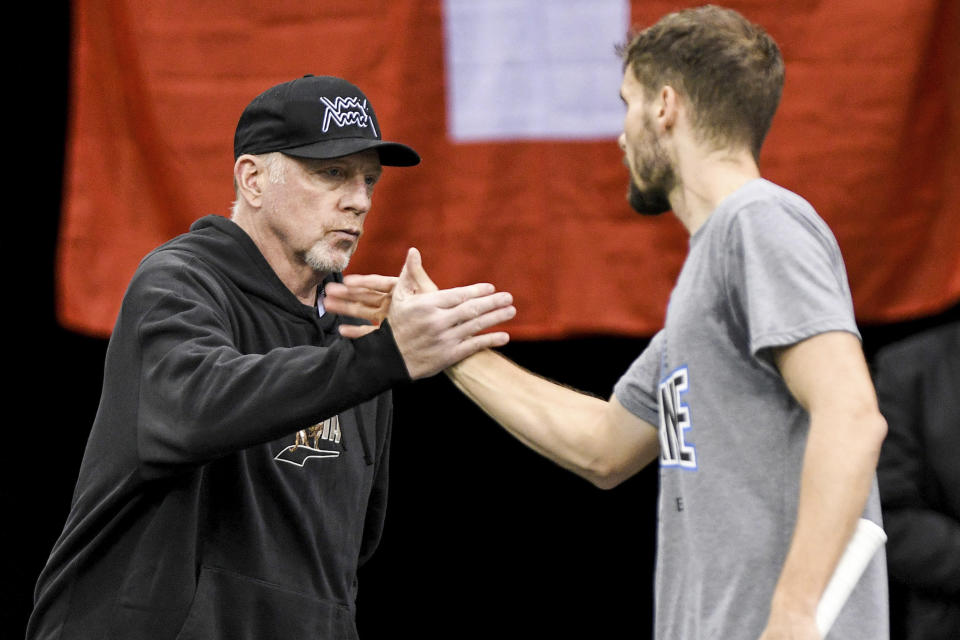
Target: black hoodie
pixel 199 512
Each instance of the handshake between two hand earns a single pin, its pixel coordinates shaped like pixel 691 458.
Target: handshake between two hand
pixel 433 328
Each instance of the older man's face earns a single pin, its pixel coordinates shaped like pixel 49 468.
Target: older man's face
pixel 318 209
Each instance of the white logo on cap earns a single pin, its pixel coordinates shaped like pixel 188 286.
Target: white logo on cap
pixel 346 111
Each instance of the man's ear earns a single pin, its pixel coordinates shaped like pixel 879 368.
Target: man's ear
pixel 249 176
pixel 668 107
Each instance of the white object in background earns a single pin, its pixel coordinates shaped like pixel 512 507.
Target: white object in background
pixel 529 69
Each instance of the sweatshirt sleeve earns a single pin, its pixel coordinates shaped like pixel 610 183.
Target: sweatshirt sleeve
pixel 201 398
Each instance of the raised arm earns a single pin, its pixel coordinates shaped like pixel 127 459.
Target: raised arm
pixel 828 376
pixel 597 439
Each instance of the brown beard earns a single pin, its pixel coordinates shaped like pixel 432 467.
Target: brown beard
pixel 651 202
pixel 656 173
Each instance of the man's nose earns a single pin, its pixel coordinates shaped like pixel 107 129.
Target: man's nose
pixel 357 196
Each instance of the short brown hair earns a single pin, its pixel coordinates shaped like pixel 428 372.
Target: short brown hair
pixel 729 69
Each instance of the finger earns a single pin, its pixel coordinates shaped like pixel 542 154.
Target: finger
pixel 419 275
pixel 482 323
pixel 339 291
pixel 413 279
pixel 348 308
pixel 384 284
pixel 356 330
pixel 362 295
pixel 406 282
pixel 476 307
pixel 450 298
pixel 353 309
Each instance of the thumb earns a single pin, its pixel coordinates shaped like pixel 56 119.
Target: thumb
pixel 413 279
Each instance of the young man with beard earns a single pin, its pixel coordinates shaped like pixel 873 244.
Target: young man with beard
pixel 236 473
pixel 755 396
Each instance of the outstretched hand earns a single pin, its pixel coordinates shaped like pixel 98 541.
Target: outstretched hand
pixel 433 328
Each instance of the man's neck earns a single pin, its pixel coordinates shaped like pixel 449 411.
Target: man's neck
pixel 705 179
pixel 302 282
pixel 301 279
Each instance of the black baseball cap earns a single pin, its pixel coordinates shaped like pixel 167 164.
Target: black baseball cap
pixel 315 117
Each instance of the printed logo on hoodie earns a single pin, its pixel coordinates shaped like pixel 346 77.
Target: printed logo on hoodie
pixel 307 442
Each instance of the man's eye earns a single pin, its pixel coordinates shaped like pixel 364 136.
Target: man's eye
pixel 372 180
pixel 333 172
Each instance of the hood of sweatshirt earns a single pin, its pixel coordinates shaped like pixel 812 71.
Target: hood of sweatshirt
pixel 225 246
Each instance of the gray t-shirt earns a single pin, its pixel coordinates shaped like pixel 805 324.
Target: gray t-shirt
pixel 764 271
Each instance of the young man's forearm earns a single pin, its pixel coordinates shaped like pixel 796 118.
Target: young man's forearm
pixel 838 471
pixel 596 439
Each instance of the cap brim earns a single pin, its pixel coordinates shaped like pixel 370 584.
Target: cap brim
pixel 392 154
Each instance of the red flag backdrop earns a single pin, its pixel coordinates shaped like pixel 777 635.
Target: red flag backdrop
pixel 868 131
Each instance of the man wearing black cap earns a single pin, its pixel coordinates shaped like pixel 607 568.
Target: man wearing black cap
pixel 235 476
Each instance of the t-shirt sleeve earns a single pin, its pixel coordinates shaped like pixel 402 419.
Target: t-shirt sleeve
pixel 637 388
pixel 785 276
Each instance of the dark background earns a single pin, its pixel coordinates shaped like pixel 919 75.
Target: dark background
pixel 483 536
